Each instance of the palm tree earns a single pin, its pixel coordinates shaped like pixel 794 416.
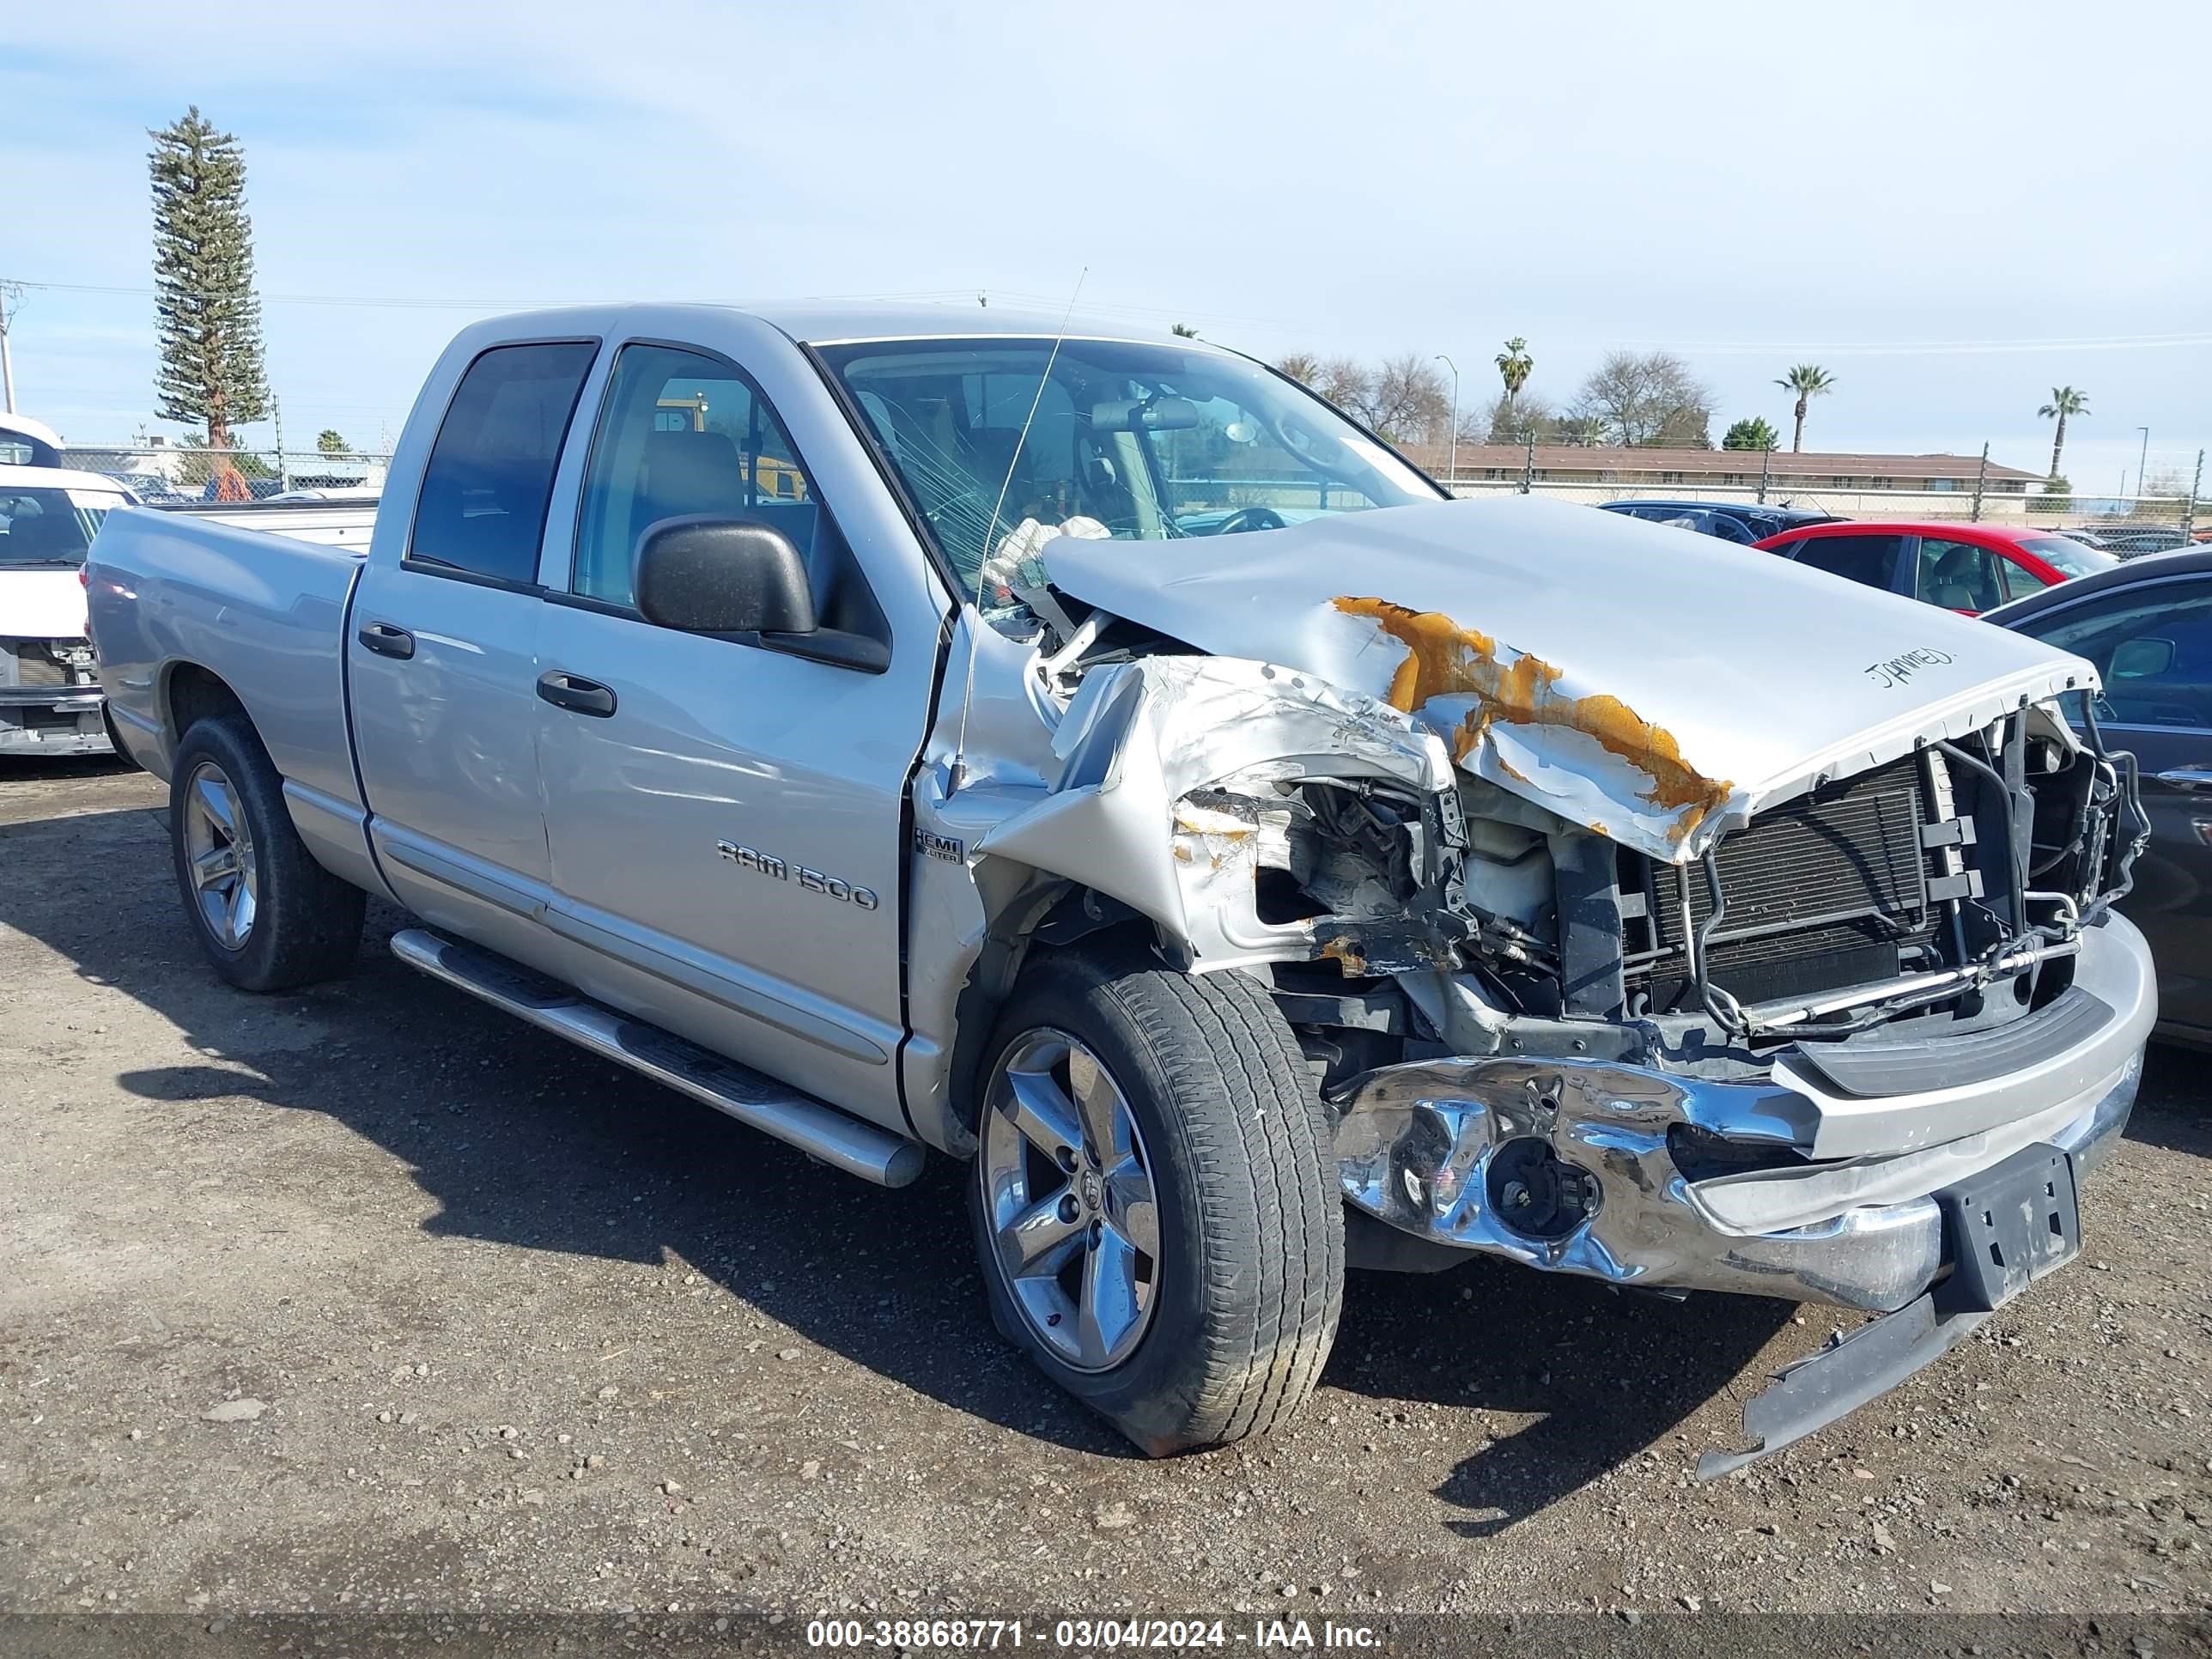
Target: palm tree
pixel 1182 330
pixel 2064 401
pixel 1808 381
pixel 1514 367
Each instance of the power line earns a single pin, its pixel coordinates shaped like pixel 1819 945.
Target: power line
pixel 962 295
pixel 1924 347
pixel 401 302
pixel 936 295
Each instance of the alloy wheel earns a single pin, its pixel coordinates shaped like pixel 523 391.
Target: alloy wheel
pixel 1067 1189
pixel 219 853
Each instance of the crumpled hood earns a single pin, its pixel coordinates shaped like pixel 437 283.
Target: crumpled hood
pixel 42 605
pixel 1657 685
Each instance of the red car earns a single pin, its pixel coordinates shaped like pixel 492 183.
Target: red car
pixel 1966 568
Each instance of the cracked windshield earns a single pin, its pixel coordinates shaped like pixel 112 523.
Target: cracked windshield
pixel 1130 440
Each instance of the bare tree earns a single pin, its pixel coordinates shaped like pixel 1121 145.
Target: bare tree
pixel 1647 398
pixel 1515 418
pixel 1345 382
pixel 1408 400
pixel 1403 398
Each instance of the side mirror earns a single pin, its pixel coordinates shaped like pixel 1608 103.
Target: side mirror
pixel 702 574
pixel 2141 659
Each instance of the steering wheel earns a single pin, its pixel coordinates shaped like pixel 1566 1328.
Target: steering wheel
pixel 1249 518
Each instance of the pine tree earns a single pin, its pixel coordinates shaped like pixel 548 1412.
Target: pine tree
pixel 210 318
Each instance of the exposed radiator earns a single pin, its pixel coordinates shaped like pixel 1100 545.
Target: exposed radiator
pixel 1827 890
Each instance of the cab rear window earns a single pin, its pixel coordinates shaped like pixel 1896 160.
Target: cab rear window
pixel 490 475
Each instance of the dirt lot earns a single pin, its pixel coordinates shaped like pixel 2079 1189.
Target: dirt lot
pixel 486 1324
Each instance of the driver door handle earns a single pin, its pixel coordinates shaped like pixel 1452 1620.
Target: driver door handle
pixel 575 694
pixel 386 640
pixel 2185 777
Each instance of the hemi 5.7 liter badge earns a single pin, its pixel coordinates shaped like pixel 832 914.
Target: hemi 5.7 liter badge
pixel 767 864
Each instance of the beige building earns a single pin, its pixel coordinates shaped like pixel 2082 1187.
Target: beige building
pixel 1854 485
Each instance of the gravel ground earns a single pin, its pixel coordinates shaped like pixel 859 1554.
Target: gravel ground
pixel 371 1298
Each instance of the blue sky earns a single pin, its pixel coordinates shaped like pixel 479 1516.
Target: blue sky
pixel 1951 208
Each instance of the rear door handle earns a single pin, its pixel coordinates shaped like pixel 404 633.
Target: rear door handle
pixel 386 640
pixel 2185 777
pixel 579 696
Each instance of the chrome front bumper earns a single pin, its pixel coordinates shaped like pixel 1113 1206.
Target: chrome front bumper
pixel 1418 1147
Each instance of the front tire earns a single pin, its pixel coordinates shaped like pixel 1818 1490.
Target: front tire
pixel 1160 1228
pixel 266 914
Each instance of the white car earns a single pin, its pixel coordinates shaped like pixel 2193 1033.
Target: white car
pixel 50 703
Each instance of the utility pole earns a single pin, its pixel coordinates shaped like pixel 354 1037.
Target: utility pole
pixel 1766 464
pixel 1529 463
pixel 7 361
pixel 2142 463
pixel 2189 506
pixel 283 470
pixel 1451 470
pixel 1980 477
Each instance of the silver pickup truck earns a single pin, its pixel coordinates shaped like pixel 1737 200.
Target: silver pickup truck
pixel 822 714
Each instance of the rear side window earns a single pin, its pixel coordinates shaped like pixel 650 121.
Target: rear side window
pixel 484 493
pixel 1868 559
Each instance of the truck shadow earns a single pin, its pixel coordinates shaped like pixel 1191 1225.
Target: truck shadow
pixel 33 768
pixel 523 1141
pixel 1603 1374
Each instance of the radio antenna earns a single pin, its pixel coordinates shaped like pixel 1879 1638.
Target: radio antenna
pixel 971 609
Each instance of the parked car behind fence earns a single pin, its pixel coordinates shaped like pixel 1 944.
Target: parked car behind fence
pixel 1966 568
pixel 1732 521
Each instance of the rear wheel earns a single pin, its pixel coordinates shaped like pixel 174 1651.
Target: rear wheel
pixel 1161 1231
pixel 266 914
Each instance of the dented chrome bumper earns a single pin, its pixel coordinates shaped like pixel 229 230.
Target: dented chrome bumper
pixel 1579 1166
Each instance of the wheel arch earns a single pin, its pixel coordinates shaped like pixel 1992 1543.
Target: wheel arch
pixel 1045 912
pixel 191 693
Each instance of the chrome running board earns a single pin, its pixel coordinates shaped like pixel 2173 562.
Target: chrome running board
pixel 815 1127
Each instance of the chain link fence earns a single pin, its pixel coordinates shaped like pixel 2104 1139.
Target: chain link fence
pixel 2045 511
pixel 169 474
pixel 2166 515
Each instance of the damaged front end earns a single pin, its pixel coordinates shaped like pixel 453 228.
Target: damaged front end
pixel 1610 982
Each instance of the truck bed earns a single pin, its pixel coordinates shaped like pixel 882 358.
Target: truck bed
pixel 346 524
pixel 265 612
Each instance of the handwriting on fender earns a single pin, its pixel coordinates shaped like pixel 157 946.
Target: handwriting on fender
pixel 1896 671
